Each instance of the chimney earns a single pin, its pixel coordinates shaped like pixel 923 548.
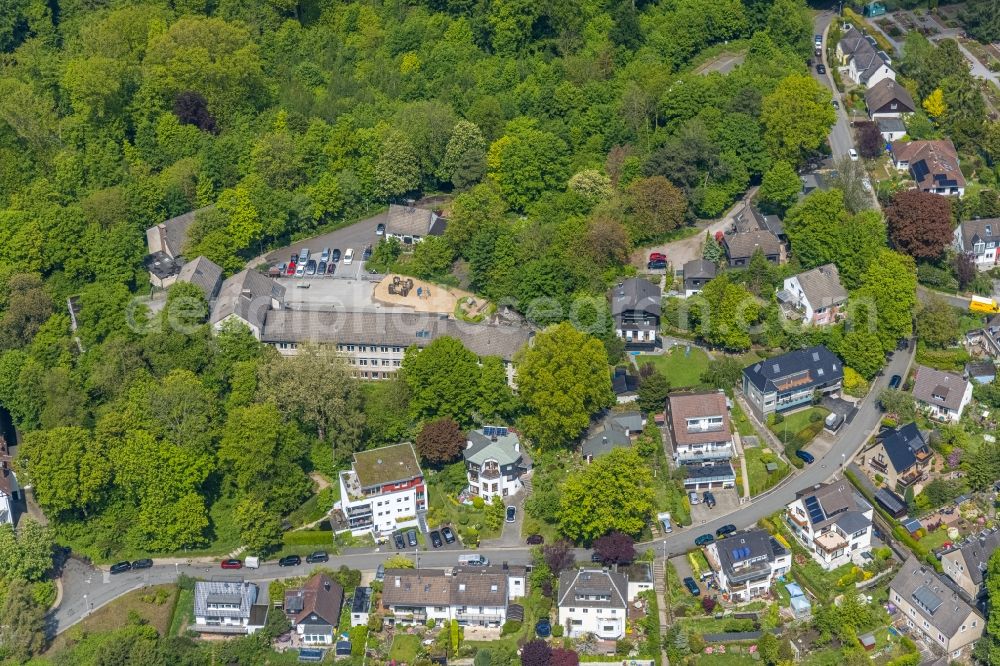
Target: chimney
pixel 326 585
pixel 517 446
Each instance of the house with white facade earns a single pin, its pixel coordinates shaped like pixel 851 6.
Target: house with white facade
pixel 361 606
pixel 932 165
pixel 635 307
pixel 965 562
pixel 247 297
pixel 865 64
pixel 815 295
pixel 888 99
pixel 495 462
pixel 228 607
pixel 979 240
pixel 10 491
pixel 747 563
pixel 473 596
pixel 789 381
pixel 942 395
pixel 832 522
pixel 699 427
pixel 314 609
pixel 593 601
pixel 639 576
pixel 382 492
pixel 933 608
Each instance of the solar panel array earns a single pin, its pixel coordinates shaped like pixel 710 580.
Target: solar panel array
pixel 740 553
pixel 498 431
pixel 814 509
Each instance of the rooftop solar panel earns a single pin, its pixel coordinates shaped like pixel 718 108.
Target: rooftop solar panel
pixel 815 510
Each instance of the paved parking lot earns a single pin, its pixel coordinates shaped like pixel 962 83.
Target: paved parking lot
pixel 355 236
pixel 726 500
pixel 333 293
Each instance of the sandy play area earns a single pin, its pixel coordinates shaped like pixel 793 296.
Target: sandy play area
pixel 431 298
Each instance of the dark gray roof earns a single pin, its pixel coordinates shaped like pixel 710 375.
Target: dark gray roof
pixel 890 124
pixel 890 500
pixel 613 431
pixel 635 294
pixel 361 601
pixel 623 382
pixel 410 221
pixel 202 273
pixel 700 268
pixel 864 51
pixel 248 295
pixel 901 446
pixel 611 585
pixel 835 502
pixel 715 472
pixel 743 245
pixel 887 91
pixel 852 521
pixel 985 230
pixel 977 551
pixel 735 550
pixel 161 265
pixel 391 328
pixel 981 369
pixel 933 596
pixel 173 232
pixel 813 366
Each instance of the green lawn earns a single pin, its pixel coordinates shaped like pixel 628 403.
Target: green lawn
pixel 798 429
pixel 404 648
pixel 760 478
pixel 683 370
pixel 934 539
pixel 183 612
pixel 740 420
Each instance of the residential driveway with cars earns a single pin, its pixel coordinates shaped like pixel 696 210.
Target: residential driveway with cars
pixel 356 236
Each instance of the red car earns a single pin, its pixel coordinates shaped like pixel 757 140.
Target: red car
pixel 232 564
pixel 657 256
pixel 291 268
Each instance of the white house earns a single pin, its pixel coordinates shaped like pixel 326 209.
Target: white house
pixel 832 522
pixel 816 295
pixel 865 64
pixel 933 165
pixel 747 563
pixel 494 462
pixel 361 606
pixel 9 489
pixel 475 596
pixel 943 395
pixel 593 601
pixel 382 492
pixel 639 576
pixel 227 607
pixel 409 224
pixel 314 609
pixel 699 427
pixel 979 240
pixel 888 99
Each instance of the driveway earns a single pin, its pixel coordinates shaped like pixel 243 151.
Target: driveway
pixel 726 502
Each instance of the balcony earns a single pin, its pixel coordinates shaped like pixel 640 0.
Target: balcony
pixel 830 542
pixel 490 473
pixel 907 480
pixel 801 521
pixel 480 618
pixel 755 572
pixel 360 511
pixel 879 465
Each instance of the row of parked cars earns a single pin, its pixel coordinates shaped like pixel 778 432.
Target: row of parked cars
pixel 303 264
pixel 438 538
pixel 708 497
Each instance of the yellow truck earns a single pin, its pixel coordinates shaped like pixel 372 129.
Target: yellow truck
pixel 983 305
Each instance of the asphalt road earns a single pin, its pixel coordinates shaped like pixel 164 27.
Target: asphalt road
pixel 924 295
pixel 841 139
pixel 356 236
pixel 86 588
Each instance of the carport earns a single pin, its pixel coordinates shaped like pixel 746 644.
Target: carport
pixel 710 477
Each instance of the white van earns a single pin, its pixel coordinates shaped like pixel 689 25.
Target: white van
pixel 474 560
pixel 252 562
pixel 348 256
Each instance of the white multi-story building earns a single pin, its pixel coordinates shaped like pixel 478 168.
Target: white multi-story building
pixel 382 492
pixel 699 428
pixel 9 489
pixel 980 241
pixel 227 607
pixel 494 462
pixel 593 601
pixel 832 522
pixel 747 563
pixel 477 596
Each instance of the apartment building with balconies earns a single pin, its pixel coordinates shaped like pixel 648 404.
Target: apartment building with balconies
pixel 699 428
pixel 471 596
pixel 383 491
pixel 790 381
pixel 495 462
pixel 747 563
pixel 832 522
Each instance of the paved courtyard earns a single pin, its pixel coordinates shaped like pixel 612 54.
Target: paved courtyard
pixel 726 500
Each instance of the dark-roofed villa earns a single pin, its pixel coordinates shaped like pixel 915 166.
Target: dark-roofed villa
pixel 613 431
pixel 788 382
pixel 899 456
pixel 635 306
pixel 832 522
pixel 747 563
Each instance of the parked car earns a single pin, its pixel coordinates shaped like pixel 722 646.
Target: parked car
pixel 854 154
pixel 291 268
pixel 895 381
pixel 725 531
pixel 321 268
pixel 866 183
pixel 290 561
pixel 304 254
pixel 335 257
pixel 535 540
pixel 311 267
pixel 120 567
pixel 318 556
pixel 693 497
pixel 348 256
pixel 232 564
pixel 821 68
pixel 805 457
pixel 295 258
pixel 903 344
pixel 597 558
pixel 692 586
pixel 398 539
pixel 836 104
pixel 704 540
pixel 411 538
pixel 657 256
pixel 511 514
pixel 709 498
pixel 449 536
pixel 653 265
pixel 380 230
pixel 543 627
pixel 380 572
pixel 436 539
pixel 331 268
pixel 325 255
pixel 300 271
pixel 367 254
pixel 142 564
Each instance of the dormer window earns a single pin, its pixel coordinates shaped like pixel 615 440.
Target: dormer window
pixel 893 106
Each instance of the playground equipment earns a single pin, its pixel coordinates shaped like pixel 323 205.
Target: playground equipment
pixel 401 287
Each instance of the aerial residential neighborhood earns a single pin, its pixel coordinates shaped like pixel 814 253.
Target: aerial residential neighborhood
pixel 499 334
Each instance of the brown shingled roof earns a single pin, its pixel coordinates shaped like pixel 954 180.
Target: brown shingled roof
pixel 694 405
